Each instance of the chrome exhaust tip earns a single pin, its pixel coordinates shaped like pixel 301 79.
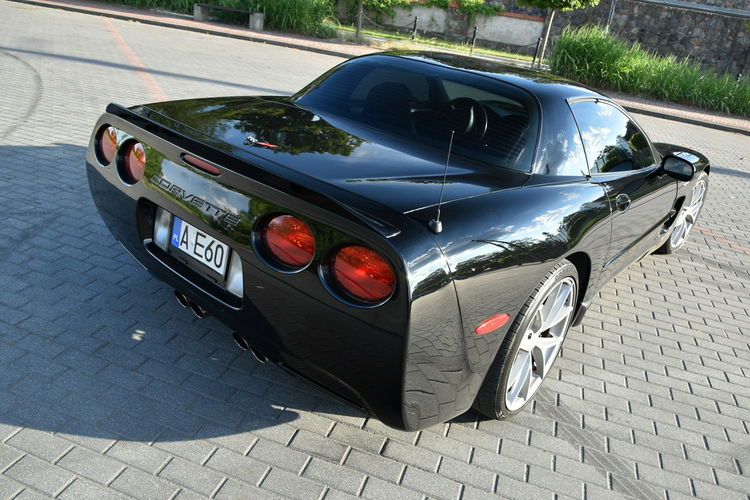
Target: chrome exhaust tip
pixel 181 299
pixel 259 356
pixel 198 310
pixel 241 342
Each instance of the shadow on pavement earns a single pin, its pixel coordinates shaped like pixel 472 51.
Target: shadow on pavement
pixel 93 347
pixel 128 67
pixel 730 171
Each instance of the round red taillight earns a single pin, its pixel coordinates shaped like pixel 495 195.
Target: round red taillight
pixel 289 240
pixel 133 162
pixel 106 145
pixel 363 274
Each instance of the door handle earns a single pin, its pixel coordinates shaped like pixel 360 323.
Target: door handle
pixel 622 202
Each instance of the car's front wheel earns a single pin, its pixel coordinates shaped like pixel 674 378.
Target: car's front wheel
pixel 531 346
pixel 687 217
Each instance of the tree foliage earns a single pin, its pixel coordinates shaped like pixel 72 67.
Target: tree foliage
pixel 560 4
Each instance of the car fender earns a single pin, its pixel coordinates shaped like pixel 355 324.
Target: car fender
pixel 497 248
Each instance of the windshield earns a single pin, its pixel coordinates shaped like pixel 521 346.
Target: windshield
pixel 490 121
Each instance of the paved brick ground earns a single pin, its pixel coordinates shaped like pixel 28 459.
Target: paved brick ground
pixel 109 389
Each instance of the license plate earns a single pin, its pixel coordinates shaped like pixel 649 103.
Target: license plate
pixel 205 249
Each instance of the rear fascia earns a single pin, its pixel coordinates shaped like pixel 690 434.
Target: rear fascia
pixel 355 352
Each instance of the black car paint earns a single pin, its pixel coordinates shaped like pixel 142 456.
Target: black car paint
pixel 354 158
pixel 413 361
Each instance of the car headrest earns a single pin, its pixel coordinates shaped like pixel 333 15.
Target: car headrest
pixel 389 104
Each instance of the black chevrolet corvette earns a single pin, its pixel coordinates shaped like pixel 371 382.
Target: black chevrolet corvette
pixel 415 232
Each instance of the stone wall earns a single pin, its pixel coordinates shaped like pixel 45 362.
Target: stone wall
pixel 514 31
pixel 718 40
pixel 715 33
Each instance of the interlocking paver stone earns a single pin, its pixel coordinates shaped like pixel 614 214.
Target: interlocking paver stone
pixel 40 475
pixel 343 479
pixel 194 476
pixel 83 489
pixel 290 485
pixel 40 444
pixel 135 482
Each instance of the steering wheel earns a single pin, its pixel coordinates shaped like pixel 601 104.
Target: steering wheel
pixel 468 118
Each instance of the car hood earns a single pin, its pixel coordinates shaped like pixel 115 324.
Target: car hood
pixel 389 170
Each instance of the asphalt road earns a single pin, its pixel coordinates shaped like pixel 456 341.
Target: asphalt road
pixel 109 389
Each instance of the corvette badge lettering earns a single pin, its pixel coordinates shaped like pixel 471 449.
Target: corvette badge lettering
pixel 206 206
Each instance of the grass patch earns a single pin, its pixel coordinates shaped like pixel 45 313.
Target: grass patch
pixel 434 42
pixel 594 57
pixel 300 16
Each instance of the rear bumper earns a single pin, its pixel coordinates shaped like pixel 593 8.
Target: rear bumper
pixel 346 354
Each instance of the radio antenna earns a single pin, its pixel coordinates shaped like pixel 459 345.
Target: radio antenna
pixel 435 225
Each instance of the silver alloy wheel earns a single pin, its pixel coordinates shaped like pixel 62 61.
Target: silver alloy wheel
pixel 688 215
pixel 540 343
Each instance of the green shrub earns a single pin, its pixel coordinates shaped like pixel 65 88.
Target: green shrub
pixel 470 8
pixel 594 57
pixel 301 16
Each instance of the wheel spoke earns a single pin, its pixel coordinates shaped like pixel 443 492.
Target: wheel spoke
pixel 677 233
pixel 562 317
pixel 698 197
pixel 538 321
pixel 680 217
pixel 546 342
pixel 518 379
pixel 546 311
pixel 558 312
pixel 692 212
pixel 525 390
pixel 527 342
pixel 540 360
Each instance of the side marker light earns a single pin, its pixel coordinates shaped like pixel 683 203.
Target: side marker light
pixel 491 324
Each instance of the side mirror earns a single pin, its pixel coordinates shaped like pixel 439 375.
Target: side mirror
pixel 680 169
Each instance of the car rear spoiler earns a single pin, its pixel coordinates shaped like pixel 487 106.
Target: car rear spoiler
pixel 243 162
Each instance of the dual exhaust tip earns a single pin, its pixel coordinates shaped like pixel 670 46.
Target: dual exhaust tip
pixel 200 312
pixel 243 344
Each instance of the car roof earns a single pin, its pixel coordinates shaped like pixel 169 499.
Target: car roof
pixel 543 85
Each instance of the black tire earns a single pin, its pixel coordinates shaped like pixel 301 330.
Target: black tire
pixel 671 246
pixel 491 399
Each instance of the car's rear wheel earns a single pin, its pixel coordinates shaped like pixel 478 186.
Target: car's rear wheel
pixel 531 346
pixel 687 217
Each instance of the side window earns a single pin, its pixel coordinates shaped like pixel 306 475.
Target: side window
pixel 613 142
pixel 564 152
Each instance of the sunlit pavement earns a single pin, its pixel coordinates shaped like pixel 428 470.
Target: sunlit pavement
pixel 109 388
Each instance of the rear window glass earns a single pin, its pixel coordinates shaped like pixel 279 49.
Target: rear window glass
pixel 491 121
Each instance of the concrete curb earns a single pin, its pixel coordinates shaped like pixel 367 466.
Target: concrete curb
pixel 684 119
pixel 165 24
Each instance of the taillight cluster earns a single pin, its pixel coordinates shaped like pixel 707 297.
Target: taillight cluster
pixel 130 157
pixel 132 162
pixel 106 145
pixel 362 273
pixel 355 273
pixel 290 241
